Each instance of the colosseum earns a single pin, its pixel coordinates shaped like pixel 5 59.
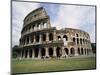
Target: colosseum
pixel 40 40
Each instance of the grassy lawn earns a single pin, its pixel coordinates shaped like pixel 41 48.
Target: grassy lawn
pixel 24 66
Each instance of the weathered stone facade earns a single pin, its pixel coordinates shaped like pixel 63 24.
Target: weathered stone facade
pixel 40 40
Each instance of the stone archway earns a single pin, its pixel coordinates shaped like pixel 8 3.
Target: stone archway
pixel 37 38
pixel 79 51
pixel 82 51
pixel 36 51
pixel 58 51
pixel 50 52
pixel 74 40
pixel 44 37
pixel 66 50
pixel 65 37
pixel 72 51
pixel 85 51
pixel 26 52
pixel 50 36
pixel 59 37
pixel 30 53
pixel 77 40
pixel 43 52
pixel 27 40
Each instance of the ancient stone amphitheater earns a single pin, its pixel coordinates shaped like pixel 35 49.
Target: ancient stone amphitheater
pixel 40 40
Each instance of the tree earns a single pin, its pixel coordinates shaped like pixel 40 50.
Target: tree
pixel 15 51
pixel 93 47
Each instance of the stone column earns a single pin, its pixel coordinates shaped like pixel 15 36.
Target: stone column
pixel 47 36
pixel 48 23
pixel 39 53
pixel 25 41
pixel 23 53
pixel 69 52
pixel 28 53
pixel 40 26
pixel 33 53
pixel 70 39
pixel 29 40
pixel 34 39
pixel 76 52
pixel 40 38
pixel 83 51
pixel 80 52
pixel 54 36
pixel 63 52
pixel 47 52
pixel 86 52
pixel 35 27
pixel 76 41
pixel 54 51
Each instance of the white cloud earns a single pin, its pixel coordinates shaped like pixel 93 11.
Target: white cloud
pixel 68 16
pixel 79 17
pixel 19 11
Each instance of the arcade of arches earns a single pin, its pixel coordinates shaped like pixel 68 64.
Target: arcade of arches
pixel 52 52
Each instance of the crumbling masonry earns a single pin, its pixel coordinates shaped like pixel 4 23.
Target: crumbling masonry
pixel 40 40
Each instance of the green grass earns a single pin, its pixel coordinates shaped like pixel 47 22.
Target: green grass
pixel 24 66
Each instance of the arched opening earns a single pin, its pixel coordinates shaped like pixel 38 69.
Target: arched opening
pixel 43 52
pixel 85 51
pixel 50 52
pixel 59 37
pixel 58 51
pixel 26 53
pixel 74 39
pixel 50 36
pixel 80 41
pixel 45 25
pixel 82 51
pixel 33 27
pixel 83 40
pixel 79 51
pixel 44 37
pixel 77 41
pixel 72 51
pixel 36 51
pixel 65 37
pixel 66 50
pixel 31 38
pixel 37 38
pixel 30 53
pixel 76 35
pixel 27 40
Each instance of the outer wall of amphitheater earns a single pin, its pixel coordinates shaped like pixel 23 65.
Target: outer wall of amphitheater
pixel 40 40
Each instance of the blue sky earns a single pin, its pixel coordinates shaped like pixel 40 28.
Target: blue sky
pixel 61 16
